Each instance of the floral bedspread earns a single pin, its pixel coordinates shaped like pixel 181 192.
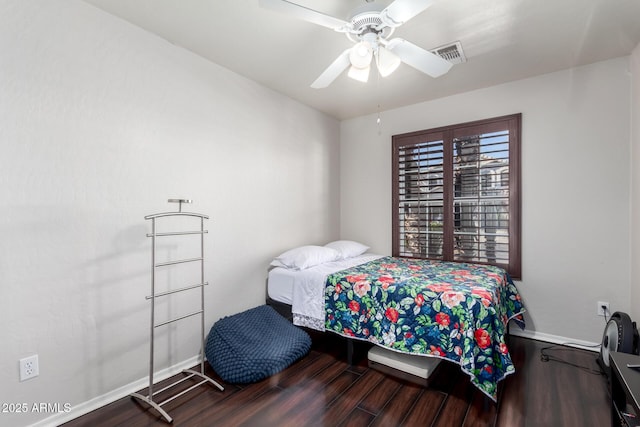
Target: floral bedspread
pixel 453 311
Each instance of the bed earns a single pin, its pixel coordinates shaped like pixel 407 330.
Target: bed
pixel 453 311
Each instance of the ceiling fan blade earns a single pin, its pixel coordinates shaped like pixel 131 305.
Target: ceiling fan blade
pixel 420 59
pixel 305 14
pixel 333 71
pixel 400 11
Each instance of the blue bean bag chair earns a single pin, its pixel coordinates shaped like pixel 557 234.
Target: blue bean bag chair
pixel 255 344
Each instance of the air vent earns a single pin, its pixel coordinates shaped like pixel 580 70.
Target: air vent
pixel 451 52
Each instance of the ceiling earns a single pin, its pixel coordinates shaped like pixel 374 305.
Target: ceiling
pixel 503 40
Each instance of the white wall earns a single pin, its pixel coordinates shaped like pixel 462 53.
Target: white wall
pixel 635 185
pixel 575 175
pixel 101 123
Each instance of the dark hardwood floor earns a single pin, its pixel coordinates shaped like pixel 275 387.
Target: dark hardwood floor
pixel 323 390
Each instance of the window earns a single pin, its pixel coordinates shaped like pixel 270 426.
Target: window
pixel 456 193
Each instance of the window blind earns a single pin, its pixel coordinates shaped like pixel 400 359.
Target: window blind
pixel 421 199
pixel 456 193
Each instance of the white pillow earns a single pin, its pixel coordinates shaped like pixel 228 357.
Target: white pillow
pixel 305 256
pixel 347 248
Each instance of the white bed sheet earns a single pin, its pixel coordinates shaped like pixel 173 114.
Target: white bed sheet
pixel 304 290
pixel 280 284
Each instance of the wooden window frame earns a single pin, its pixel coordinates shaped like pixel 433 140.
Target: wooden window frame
pixel 514 124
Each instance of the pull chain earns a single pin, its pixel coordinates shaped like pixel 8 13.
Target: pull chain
pixel 378 119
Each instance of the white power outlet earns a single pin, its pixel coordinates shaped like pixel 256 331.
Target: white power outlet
pixel 601 311
pixel 29 367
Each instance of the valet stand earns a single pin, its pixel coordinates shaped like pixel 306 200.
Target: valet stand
pixel 198 376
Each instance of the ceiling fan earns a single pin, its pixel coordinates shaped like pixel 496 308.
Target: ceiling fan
pixel 369 29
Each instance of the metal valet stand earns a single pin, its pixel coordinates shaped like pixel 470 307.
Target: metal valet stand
pixel 198 376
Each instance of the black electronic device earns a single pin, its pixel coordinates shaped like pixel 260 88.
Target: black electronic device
pixel 621 335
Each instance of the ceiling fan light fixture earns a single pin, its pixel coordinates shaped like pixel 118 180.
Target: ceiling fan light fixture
pixel 360 55
pixel 369 29
pixel 360 74
pixel 387 61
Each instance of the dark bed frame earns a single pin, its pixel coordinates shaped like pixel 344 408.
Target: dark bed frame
pixel 283 309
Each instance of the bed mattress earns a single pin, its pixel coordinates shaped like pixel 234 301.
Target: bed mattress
pixel 280 285
pixel 282 282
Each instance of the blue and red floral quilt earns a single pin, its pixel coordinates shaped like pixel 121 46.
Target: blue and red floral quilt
pixel 454 311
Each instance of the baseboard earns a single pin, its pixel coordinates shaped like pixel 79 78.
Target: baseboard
pixel 555 339
pixel 112 396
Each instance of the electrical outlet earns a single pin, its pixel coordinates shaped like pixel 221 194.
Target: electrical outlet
pixel 29 367
pixel 601 311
